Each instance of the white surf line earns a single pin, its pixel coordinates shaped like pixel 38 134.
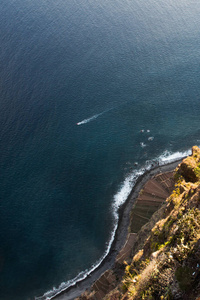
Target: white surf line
pixel 119 198
pixel 168 156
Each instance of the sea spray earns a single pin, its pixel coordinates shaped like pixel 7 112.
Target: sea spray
pixel 168 156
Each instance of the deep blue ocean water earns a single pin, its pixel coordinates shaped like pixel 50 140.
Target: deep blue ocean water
pixel 114 67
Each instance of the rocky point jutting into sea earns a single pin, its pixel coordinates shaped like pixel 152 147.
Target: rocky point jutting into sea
pixel 161 256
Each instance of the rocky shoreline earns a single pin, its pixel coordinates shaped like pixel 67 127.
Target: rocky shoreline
pixel 120 237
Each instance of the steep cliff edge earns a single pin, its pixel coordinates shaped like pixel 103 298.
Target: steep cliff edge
pixel 165 261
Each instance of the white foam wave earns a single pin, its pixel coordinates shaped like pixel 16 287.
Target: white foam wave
pixel 168 156
pixel 143 145
pixel 125 189
pixel 119 198
pixel 81 276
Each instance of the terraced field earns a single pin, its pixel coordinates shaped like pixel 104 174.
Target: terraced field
pixel 151 197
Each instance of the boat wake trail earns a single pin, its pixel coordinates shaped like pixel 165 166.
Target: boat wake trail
pixel 85 121
pixel 89 119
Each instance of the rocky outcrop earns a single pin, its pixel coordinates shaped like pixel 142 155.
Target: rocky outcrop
pixel 190 166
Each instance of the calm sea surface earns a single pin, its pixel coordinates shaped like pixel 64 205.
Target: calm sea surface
pixel 79 80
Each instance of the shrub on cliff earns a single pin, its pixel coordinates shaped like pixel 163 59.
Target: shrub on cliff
pixel 190 166
pixel 168 266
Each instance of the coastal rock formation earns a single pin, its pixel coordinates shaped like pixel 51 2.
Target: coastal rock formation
pixel 165 254
pixel 190 166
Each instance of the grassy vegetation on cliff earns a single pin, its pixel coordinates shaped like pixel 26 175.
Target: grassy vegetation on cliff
pixel 165 263
pixel 168 266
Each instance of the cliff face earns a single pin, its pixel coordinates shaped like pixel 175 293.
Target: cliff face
pixel 165 260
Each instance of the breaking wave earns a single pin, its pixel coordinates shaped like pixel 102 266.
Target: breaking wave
pixel 168 156
pixel 119 198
